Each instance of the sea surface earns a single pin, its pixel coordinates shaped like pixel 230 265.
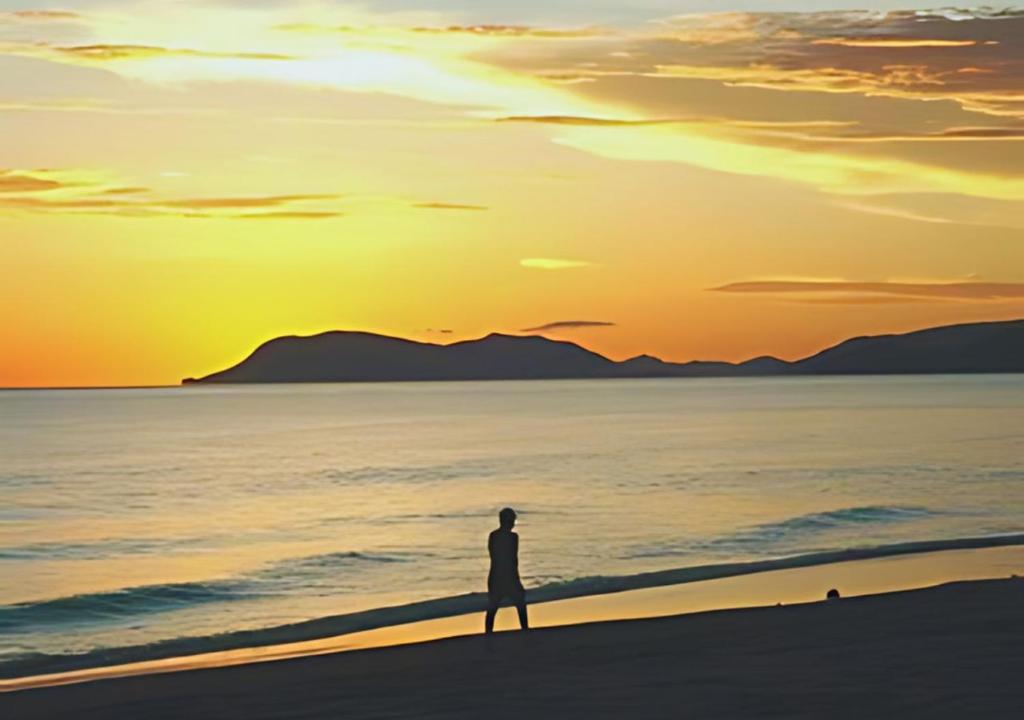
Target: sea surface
pixel 131 517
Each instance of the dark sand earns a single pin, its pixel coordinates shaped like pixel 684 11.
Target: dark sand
pixel 955 651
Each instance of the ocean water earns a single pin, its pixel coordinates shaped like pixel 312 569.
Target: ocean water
pixel 132 517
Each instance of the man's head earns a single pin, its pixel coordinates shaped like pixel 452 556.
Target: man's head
pixel 507 518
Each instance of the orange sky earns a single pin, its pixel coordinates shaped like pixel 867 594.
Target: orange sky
pixel 181 182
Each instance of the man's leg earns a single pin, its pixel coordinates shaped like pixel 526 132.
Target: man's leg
pixel 524 622
pixel 492 610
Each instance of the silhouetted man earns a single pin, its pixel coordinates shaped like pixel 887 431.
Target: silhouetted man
pixel 503 581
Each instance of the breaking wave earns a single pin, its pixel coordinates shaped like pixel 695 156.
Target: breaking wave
pixel 127 603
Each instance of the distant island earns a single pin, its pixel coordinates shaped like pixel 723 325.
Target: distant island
pixel 987 347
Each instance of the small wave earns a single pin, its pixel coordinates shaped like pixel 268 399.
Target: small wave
pixel 417 517
pixel 767 537
pixel 20 481
pixel 826 521
pixel 476 468
pixel 405 474
pixel 115 605
pixel 312 564
pixel 85 550
pixel 489 512
pixel 119 605
pixel 336 560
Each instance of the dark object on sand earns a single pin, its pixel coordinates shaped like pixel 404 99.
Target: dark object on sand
pixel 832 594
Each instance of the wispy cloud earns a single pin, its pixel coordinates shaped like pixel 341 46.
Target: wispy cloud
pixel 477 31
pixel 85 192
pixel 782 128
pixel 863 76
pixel 941 209
pixel 16 182
pixel 125 191
pixel 291 215
pixel 38 16
pixel 894 212
pixel 894 42
pixel 569 325
pixel 106 53
pixel 269 201
pixel 514 31
pixel 578 120
pixel 448 206
pixel 973 60
pixel 434 65
pixel 78 191
pixel 552 263
pixel 991 133
pixel 852 292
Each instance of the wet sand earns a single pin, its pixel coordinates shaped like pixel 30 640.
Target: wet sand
pixel 951 651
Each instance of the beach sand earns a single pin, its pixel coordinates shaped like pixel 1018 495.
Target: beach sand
pixel 952 651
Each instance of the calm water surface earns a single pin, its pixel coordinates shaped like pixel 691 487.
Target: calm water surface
pixel 131 516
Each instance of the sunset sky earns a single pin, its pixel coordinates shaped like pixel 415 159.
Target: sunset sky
pixel 181 181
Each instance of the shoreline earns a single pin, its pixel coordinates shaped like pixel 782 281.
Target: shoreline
pixel 948 651
pixel 786 581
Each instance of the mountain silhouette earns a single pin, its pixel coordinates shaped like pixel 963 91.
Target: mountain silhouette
pixel 339 356
pixel 990 347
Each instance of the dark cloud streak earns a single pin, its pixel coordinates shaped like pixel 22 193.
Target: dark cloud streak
pixel 569 325
pixel 868 292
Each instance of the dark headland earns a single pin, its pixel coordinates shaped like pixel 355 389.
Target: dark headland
pixel 988 347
